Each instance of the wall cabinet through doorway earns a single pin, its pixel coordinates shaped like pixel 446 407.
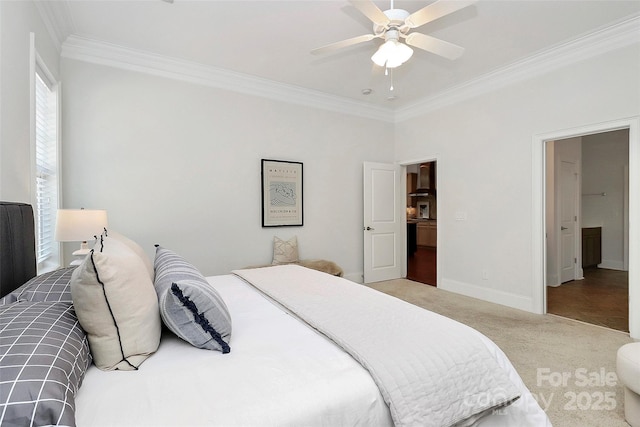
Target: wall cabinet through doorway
pixel 412 185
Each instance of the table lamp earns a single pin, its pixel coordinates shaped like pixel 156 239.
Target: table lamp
pixel 79 225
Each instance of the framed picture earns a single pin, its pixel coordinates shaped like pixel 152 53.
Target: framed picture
pixel 423 210
pixel 281 193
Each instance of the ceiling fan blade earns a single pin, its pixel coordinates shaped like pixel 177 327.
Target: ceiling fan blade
pixel 436 10
pixel 371 11
pixel 434 45
pixel 344 43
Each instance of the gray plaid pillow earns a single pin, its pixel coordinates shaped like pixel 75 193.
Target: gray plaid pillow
pixel 190 307
pixel 53 287
pixel 44 354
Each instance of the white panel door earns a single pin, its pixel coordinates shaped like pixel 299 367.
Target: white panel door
pixel 568 221
pixel 383 222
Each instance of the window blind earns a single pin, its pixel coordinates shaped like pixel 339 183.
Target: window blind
pixel 46 162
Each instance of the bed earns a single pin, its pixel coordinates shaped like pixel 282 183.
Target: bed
pixel 301 348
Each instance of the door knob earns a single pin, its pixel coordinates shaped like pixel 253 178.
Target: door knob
pixel 369 228
pixel 563 228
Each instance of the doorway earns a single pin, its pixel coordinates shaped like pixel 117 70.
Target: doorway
pixel 587 215
pixel 422 223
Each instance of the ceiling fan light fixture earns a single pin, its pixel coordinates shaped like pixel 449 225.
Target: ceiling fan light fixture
pixel 392 54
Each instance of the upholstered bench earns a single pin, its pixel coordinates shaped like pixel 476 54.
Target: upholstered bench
pixel 628 367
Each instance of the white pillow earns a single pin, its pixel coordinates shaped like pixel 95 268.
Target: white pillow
pixel 117 306
pixel 135 247
pixel 285 251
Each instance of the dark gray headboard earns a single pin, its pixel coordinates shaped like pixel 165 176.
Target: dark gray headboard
pixel 17 246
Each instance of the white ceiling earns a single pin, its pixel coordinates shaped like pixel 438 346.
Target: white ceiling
pixel 272 39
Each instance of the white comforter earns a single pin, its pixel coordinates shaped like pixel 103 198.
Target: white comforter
pixel 280 372
pixel 431 370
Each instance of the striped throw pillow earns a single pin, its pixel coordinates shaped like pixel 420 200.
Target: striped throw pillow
pixel 189 306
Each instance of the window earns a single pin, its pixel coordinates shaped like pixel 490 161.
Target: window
pixel 45 135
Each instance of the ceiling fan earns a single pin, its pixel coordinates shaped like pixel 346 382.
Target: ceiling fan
pixel 395 24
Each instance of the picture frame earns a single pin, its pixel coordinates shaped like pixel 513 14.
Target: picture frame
pixel 423 210
pixel 282 193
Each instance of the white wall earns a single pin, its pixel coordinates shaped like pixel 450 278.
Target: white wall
pixel 484 151
pixel 17 20
pixel 178 164
pixel 604 159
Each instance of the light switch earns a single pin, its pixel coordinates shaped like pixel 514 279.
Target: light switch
pixel 461 216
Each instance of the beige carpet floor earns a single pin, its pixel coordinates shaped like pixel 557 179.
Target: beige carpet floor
pixel 569 366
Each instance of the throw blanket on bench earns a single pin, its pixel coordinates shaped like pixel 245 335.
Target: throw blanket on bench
pixel 431 370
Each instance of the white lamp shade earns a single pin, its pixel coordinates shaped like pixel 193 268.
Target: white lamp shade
pixel 392 54
pixel 79 225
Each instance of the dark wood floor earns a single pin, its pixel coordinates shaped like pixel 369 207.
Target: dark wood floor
pixel 602 298
pixel 421 266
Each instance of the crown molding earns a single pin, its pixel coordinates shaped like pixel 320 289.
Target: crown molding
pixel 97 52
pixel 616 36
pixel 623 33
pixel 57 20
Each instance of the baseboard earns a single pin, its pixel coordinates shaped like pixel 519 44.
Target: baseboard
pixel 553 280
pixel 611 264
pixel 487 294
